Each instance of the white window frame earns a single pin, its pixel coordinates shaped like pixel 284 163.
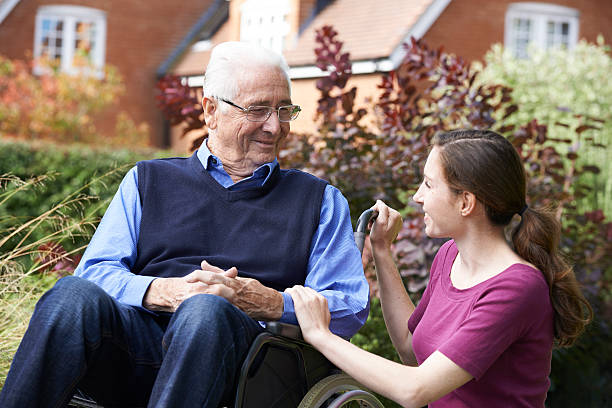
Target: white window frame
pixel 264 22
pixel 539 15
pixel 69 15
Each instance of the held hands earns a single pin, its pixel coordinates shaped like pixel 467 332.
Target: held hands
pixel 385 227
pixel 312 313
pixel 249 295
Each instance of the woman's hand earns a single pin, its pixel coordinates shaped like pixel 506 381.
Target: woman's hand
pixel 312 313
pixel 385 227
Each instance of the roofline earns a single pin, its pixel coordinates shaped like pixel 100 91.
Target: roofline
pixel 215 15
pixel 320 5
pixel 367 66
pixel 418 29
pixel 362 67
pixel 6 7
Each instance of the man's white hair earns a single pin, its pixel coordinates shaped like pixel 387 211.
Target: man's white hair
pixel 229 60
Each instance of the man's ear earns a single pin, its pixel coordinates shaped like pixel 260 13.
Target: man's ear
pixel 210 112
pixel 468 203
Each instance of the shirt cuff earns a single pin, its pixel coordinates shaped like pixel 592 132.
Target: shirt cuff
pixel 288 310
pixel 136 289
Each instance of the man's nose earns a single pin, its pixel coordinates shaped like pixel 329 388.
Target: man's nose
pixel 272 124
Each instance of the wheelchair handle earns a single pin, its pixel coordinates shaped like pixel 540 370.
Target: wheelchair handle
pixel 362 225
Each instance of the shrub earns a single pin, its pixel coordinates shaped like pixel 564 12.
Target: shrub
pixel 61 107
pixel 561 86
pixel 66 170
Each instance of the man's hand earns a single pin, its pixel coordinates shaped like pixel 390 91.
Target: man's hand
pixel 249 295
pixel 167 294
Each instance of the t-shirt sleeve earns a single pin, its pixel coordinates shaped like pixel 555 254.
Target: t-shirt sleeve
pixel 504 312
pixel 436 265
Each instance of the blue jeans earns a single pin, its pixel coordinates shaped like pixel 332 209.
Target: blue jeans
pixel 80 337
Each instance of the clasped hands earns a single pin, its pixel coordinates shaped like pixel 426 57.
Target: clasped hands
pixel 249 295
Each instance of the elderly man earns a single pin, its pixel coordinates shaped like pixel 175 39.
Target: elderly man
pixel 192 258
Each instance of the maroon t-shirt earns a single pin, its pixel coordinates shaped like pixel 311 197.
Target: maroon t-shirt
pixel 500 331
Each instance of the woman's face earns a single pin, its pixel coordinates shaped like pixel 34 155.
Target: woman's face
pixel 440 203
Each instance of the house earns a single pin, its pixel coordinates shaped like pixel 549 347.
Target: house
pixel 150 39
pixel 374 32
pixel 139 38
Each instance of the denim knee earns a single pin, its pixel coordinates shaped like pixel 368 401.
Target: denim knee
pixel 205 319
pixel 71 302
pixel 72 292
pixel 205 310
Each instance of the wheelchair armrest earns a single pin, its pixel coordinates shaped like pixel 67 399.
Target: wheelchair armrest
pixel 288 330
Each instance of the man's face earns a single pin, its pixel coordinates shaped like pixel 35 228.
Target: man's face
pixel 252 143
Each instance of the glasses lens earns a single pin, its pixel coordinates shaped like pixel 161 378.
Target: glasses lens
pixel 288 113
pixel 259 113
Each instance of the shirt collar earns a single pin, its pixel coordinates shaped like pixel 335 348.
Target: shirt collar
pixel 210 161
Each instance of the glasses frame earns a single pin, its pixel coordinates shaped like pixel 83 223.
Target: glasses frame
pixel 248 112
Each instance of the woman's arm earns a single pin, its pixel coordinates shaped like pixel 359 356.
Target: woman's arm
pixel 396 304
pixel 409 386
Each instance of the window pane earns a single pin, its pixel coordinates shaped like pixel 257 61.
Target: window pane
pixel 565 28
pixel 51 41
pixel 83 43
pixel 522 36
pixel 557 34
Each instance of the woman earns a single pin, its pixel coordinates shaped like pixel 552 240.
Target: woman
pixel 482 334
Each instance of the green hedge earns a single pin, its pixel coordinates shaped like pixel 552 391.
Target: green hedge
pixel 70 169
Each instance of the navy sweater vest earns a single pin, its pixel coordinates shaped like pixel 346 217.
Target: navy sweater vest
pixel 188 217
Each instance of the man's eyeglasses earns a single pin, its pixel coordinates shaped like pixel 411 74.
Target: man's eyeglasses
pixel 262 113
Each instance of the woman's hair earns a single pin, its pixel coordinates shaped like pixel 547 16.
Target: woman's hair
pixel 487 165
pixel 229 59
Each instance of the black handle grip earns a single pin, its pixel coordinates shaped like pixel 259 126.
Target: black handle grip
pixel 362 225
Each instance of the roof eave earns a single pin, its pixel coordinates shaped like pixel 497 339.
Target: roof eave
pixel 6 7
pixel 206 26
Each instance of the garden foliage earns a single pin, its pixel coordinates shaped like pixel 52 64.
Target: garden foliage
pixel 565 90
pixel 62 172
pixel 434 91
pixel 61 107
pixel 33 250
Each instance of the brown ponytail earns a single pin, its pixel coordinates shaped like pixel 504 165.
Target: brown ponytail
pixel 536 239
pixel 487 165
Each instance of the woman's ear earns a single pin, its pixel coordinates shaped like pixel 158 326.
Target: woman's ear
pixel 468 203
pixel 210 112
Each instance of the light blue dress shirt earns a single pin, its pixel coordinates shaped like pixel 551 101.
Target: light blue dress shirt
pixel 334 266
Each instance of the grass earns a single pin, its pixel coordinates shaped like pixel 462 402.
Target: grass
pixel 29 266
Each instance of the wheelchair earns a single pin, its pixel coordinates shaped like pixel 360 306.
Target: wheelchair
pixel 281 370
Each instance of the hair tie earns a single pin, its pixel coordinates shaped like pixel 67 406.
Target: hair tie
pixel 523 210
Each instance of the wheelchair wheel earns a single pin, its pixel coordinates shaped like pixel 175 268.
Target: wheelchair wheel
pixel 339 390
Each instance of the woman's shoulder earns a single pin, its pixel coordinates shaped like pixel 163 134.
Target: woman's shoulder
pixel 521 283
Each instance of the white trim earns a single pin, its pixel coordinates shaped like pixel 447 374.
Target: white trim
pixel 308 71
pixel 419 29
pixel 543 8
pixel 357 67
pixel 196 81
pixel 201 46
pixel 6 7
pixel 312 71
